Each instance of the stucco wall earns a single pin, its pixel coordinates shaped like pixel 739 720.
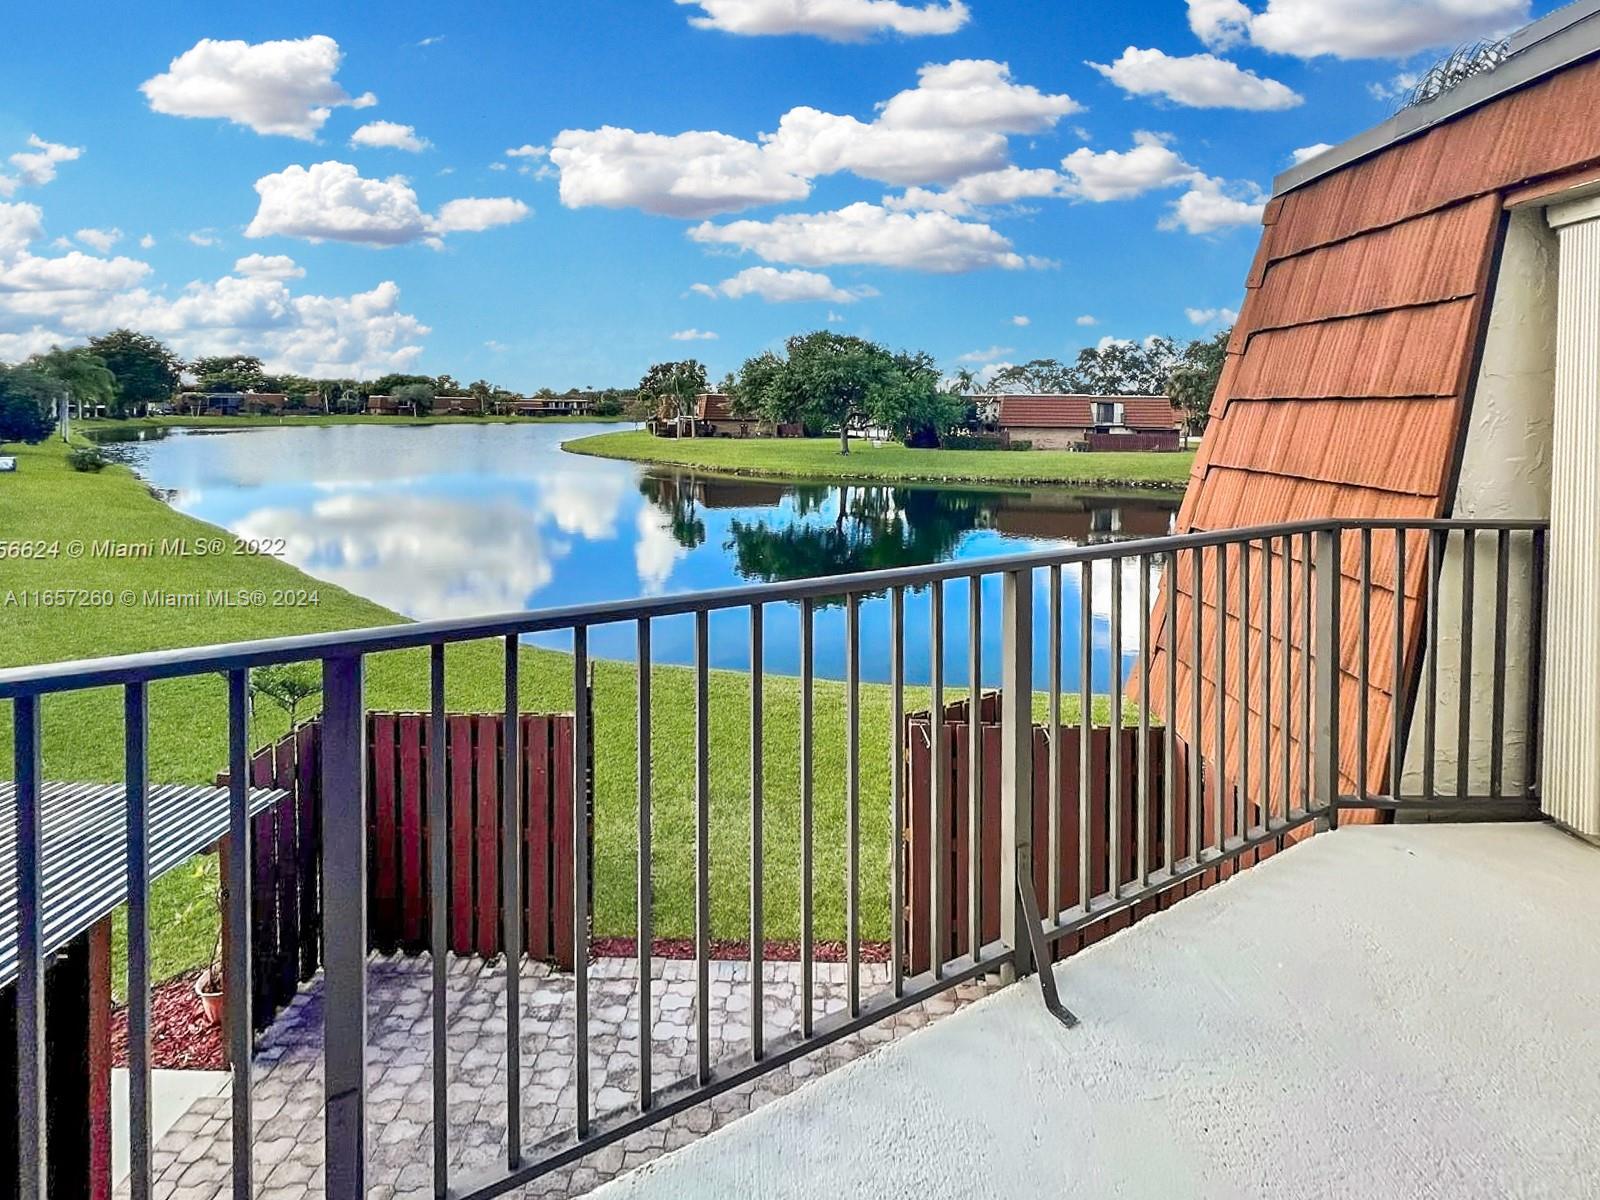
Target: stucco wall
pixel 1047 439
pixel 1505 473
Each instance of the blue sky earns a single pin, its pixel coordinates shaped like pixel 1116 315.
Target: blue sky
pixel 191 171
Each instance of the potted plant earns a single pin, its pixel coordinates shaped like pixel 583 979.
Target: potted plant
pixel 208 986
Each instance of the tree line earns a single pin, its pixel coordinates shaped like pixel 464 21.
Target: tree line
pixel 126 372
pixel 838 383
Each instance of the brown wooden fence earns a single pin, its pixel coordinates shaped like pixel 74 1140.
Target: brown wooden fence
pixel 1164 440
pixel 958 757
pixel 285 851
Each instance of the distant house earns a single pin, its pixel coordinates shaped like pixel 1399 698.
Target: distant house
pixel 458 405
pixel 1061 421
pixel 545 406
pixel 714 417
pixel 383 406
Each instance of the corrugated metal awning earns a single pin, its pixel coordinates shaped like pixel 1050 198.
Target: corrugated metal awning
pixel 85 874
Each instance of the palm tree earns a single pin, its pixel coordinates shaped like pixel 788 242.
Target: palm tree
pixel 81 374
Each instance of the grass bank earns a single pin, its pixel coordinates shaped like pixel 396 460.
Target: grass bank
pixel 819 458
pixel 46 502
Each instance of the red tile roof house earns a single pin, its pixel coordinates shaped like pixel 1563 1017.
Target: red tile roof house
pixel 1069 422
pixel 714 417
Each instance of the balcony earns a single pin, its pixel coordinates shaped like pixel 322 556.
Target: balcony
pixel 1301 976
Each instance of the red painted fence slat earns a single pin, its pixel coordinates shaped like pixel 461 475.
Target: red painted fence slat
pixel 562 913
pixel 413 894
pixel 536 823
pixel 486 754
pixel 383 888
pixel 461 834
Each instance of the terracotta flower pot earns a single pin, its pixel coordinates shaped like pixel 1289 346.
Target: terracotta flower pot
pixel 210 1002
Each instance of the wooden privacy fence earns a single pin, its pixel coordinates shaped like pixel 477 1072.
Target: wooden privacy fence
pixel 285 850
pixel 957 746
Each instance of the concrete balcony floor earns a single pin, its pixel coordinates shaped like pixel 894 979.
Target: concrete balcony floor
pixel 1405 1011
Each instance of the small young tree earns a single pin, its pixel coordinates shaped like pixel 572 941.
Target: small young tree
pixel 672 386
pixel 27 403
pixel 288 685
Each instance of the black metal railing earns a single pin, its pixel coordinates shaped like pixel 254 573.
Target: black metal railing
pixel 1247 663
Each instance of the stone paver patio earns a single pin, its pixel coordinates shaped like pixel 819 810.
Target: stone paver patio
pixel 192 1161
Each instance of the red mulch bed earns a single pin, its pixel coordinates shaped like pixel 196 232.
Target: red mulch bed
pixel 180 1038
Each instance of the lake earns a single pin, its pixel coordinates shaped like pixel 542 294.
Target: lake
pixel 459 520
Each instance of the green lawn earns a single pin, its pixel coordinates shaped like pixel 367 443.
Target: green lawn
pixel 820 458
pixel 83 732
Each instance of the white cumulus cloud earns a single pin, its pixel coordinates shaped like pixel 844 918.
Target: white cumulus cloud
pixel 332 201
pixel 99 239
pixel 268 266
pixel 860 233
pixel 1351 28
pixel 1196 81
pixel 1021 321
pixel 390 135
pixel 953 124
pixel 985 189
pixel 835 20
pixel 1087 320
pixel 1211 316
pixel 778 287
pixel 693 335
pixel 1120 174
pixel 36 165
pixel 281 87
pixel 1306 153
pixel 1212 204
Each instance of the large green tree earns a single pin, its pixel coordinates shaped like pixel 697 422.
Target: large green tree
pixel 229 373
pixel 145 370
pixel 669 388
pixel 27 400
pixel 836 381
pixel 81 374
pixel 1193 381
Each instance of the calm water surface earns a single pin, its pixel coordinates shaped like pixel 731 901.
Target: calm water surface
pixel 458 520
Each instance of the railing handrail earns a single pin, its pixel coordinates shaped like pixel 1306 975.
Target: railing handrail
pixel 111 670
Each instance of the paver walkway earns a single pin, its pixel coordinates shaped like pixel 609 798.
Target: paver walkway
pixel 192 1161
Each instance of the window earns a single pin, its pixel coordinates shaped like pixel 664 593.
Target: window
pixel 1107 412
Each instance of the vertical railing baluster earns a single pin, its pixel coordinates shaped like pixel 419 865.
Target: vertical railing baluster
pixel 1469 547
pixel 1142 786
pixel 1397 686
pixel 1287 680
pixel 1085 730
pixel 852 801
pixel 1016 769
pixel 1431 712
pixel 1266 684
pixel 897 785
pixel 1241 818
pixel 237 973
pixel 1053 740
pixel 344 925
pixel 438 919
pixel 975 764
pixel 136 738
pixel 1307 669
pixel 1364 664
pixel 1221 693
pixel 702 844
pixel 757 826
pixel 644 942
pixel 583 701
pixel 1329 664
pixel 511 893
pixel 1168 731
pixel 1196 700
pixel 32 1137
pixel 807 815
pixel 939 775
pixel 1114 786
pixel 1497 712
pixel 1536 601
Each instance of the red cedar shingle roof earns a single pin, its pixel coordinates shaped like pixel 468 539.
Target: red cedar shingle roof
pixel 1064 411
pixel 714 406
pixel 1347 386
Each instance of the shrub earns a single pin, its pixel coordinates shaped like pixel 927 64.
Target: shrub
pixel 87 458
pixel 983 441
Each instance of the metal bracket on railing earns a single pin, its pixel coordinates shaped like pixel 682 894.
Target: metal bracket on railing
pixel 1036 941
